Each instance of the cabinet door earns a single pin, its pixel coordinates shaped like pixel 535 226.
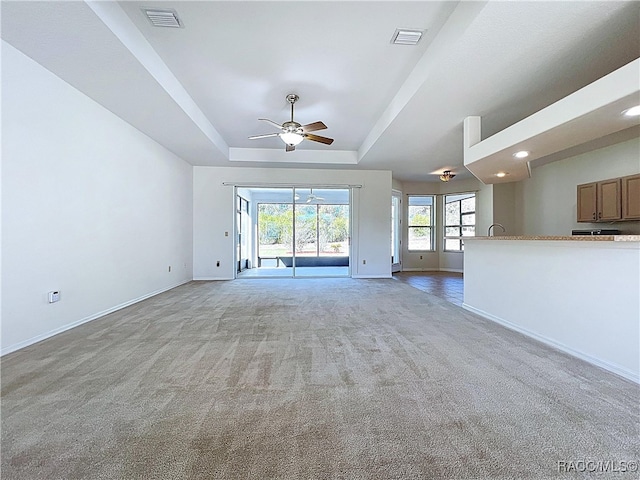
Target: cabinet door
pixel 587 202
pixel 609 200
pixel 631 197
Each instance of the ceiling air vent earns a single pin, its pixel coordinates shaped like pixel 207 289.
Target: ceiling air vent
pixel 163 17
pixel 405 36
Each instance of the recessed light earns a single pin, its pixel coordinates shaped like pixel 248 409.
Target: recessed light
pixel 521 154
pixel 632 112
pixel 501 174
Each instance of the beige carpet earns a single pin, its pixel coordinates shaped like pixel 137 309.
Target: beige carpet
pixel 307 379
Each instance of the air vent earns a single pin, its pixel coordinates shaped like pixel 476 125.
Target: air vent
pixel 405 36
pixel 163 17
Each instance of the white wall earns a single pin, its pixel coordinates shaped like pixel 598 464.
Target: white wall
pixel 579 296
pixel 504 210
pixel 90 207
pixel 213 215
pixel 546 202
pixel 439 259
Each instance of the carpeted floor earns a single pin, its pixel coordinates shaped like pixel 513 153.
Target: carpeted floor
pixel 307 379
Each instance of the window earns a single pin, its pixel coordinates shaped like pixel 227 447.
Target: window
pixel 420 222
pixel 395 228
pixel 459 220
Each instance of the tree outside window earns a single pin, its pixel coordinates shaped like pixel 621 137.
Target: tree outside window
pixel 420 222
pixel 459 220
pixel 320 229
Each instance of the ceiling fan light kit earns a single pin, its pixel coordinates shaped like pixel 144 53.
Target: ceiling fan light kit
pixel 447 175
pixel 291 138
pixel 292 132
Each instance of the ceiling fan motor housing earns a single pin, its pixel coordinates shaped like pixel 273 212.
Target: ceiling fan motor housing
pixel 292 127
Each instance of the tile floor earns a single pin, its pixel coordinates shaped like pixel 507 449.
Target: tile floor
pixel 445 285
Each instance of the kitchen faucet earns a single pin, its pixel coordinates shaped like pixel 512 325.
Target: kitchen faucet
pixel 495 225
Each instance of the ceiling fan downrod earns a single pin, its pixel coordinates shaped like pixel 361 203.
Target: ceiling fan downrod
pixel 292 98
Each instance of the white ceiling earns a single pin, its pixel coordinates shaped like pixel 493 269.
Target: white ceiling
pixel 199 90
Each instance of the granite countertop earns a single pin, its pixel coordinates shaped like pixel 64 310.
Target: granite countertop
pixel 579 238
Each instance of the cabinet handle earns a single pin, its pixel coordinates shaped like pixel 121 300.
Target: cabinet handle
pixel 594 215
pixel 600 215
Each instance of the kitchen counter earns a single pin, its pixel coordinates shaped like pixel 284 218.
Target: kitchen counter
pixel 577 238
pixel 580 294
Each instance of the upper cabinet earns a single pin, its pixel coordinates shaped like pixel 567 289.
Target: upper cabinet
pixel 609 200
pixel 587 202
pixel 631 197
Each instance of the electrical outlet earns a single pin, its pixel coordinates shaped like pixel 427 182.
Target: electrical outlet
pixel 218 263
pixel 420 257
pixel 364 262
pixel 54 297
pixel 226 234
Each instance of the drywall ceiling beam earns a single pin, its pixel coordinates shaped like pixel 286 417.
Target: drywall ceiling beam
pixel 112 15
pixel 455 26
pixel 299 156
pixel 590 113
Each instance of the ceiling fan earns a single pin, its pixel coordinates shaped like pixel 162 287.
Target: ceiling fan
pixel 314 198
pixel 292 132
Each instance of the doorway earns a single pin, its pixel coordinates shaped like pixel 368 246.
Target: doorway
pixel 295 232
pixel 242 233
pixel 396 231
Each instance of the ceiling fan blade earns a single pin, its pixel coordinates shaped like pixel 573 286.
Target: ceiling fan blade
pixel 312 127
pixel 271 122
pixel 318 138
pixel 266 135
pixel 289 148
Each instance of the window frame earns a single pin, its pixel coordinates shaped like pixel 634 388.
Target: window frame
pixel 461 224
pixel 431 227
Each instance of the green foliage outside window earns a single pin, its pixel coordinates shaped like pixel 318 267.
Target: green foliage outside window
pixel 318 228
pixel 419 222
pixel 276 223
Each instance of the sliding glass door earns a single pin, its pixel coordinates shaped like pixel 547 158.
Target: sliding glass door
pixel 322 232
pixel 298 231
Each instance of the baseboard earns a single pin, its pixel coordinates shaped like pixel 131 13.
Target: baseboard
pixel 207 279
pixel 611 367
pixel 371 276
pixel 64 328
pixel 451 270
pixel 419 269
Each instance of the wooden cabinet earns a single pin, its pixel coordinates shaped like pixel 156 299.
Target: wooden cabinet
pixel 587 203
pixel 631 197
pixel 609 200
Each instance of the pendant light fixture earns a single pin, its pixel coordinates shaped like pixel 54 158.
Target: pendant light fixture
pixel 446 176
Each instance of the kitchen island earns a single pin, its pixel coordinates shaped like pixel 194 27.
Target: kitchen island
pixel 580 294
